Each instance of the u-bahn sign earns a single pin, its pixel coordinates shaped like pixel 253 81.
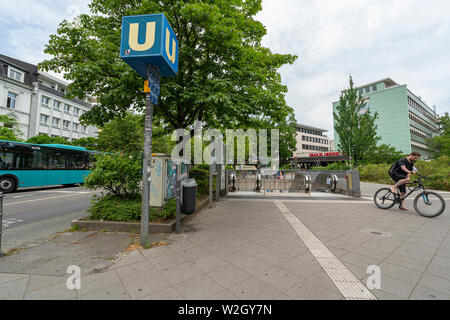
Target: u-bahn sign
pixel 149 40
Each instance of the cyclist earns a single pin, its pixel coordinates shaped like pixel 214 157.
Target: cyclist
pixel 401 172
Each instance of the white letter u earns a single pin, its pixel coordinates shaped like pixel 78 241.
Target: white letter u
pixel 174 47
pixel 149 37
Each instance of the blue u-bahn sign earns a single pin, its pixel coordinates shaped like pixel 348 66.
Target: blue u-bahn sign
pixel 149 40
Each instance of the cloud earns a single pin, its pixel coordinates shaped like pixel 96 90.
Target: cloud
pixel 407 40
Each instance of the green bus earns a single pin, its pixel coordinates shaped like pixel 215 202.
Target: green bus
pixel 24 165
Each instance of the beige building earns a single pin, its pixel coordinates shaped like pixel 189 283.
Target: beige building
pixel 311 140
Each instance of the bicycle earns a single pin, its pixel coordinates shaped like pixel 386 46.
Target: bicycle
pixel 428 204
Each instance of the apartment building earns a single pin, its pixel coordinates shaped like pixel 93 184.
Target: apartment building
pixel 39 103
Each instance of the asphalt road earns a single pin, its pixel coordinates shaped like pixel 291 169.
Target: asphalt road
pixel 32 215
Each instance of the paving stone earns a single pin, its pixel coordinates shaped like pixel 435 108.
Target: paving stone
pixel 6 277
pixel 279 278
pixel 136 270
pixel 359 260
pixel 145 286
pixel 116 292
pixel 407 262
pixel 307 290
pixel 99 281
pixel 163 262
pixel 439 271
pixel 300 268
pixel 400 272
pixel 223 296
pixel 421 293
pixel 58 292
pixel 228 276
pixel 166 294
pixel 41 282
pixel 371 252
pixel 253 265
pixel 394 287
pixel 254 289
pixel 435 283
pixel 209 263
pixel 199 288
pixel 180 273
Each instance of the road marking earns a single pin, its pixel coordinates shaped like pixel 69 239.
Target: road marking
pixel 350 287
pixel 19 202
pixel 8 222
pixel 308 201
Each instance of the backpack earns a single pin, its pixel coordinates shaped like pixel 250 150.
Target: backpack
pixel 392 168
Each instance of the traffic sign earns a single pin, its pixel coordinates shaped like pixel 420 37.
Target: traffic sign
pixel 149 40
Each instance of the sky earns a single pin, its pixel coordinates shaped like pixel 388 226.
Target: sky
pixel 406 40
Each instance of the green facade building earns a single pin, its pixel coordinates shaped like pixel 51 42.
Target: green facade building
pixel 405 121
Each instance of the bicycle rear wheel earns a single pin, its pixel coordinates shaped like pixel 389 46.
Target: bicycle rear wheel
pixel 384 198
pixel 429 204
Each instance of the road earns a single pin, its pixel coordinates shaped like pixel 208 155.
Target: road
pixel 32 215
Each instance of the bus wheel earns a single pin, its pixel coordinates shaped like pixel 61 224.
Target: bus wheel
pixel 7 185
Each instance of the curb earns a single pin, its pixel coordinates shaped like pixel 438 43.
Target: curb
pixel 132 227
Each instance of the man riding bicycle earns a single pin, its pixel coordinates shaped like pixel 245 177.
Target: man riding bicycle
pixel 401 172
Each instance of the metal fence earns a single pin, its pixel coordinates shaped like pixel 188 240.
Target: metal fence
pixel 343 182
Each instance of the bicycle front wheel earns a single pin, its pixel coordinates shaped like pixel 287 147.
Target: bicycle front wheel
pixel 384 198
pixel 429 204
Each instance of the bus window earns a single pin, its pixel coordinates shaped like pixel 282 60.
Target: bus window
pixel 9 159
pixel 56 159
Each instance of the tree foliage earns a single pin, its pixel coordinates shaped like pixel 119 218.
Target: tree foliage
pixel 382 154
pixel 356 129
pixel 9 128
pixel 45 139
pixel 440 145
pixel 226 77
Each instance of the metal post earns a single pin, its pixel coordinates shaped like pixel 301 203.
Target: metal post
pixel 210 184
pixel 146 169
pixel 1 222
pixel 178 217
pixel 218 178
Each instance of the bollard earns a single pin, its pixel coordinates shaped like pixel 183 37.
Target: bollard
pixel 1 222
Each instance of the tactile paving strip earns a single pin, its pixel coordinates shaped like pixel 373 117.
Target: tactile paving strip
pixel 346 282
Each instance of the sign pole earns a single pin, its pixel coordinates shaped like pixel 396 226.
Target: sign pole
pixel 178 217
pixel 146 169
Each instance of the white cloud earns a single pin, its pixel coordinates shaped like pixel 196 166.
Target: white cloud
pixel 407 40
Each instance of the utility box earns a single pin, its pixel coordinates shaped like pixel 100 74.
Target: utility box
pixel 164 179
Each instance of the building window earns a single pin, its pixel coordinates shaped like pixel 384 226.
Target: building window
pixel 11 101
pixel 76 111
pixel 66 124
pixel 44 119
pixel 83 129
pixel 13 74
pixel 55 122
pixel 361 91
pixel 66 108
pixel 44 101
pixel 374 87
pixel 75 127
pixel 367 89
pixel 56 105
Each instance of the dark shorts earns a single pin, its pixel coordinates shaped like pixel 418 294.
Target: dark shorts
pixel 397 177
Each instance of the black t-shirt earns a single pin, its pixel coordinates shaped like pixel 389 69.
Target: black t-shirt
pixel 403 162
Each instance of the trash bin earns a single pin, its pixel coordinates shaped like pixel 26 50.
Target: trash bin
pixel 189 196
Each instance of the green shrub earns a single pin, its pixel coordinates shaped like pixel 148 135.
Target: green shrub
pixel 127 209
pixel 201 176
pixel 334 166
pixel 438 172
pixel 119 175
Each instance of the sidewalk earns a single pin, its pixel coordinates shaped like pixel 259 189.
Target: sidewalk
pixel 299 248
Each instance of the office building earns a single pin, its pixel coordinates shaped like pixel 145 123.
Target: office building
pixel 405 121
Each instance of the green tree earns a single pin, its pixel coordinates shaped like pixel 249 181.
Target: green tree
pixel 355 126
pixel 45 139
pixel 226 77
pixel 89 143
pixel 382 154
pixel 9 128
pixel 127 135
pixel 440 145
